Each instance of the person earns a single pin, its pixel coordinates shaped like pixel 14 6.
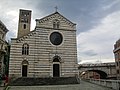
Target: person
pixel 6 80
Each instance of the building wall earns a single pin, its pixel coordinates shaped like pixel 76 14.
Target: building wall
pixel 3 47
pixel 42 52
pixel 117 57
pixel 47 22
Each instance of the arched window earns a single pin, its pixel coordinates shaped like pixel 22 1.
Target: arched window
pixel 24 26
pixel 25 49
pixel 56 24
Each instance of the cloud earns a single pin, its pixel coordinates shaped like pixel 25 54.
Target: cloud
pixel 9 10
pixel 110 5
pixel 97 22
pixel 100 39
pixel 90 53
pixel 80 12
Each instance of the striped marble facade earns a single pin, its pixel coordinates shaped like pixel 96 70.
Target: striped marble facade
pixel 40 60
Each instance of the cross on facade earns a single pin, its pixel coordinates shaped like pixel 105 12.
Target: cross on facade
pixel 56 8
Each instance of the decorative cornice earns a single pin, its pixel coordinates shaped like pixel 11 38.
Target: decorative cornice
pixel 3 27
pixel 55 29
pixel 24 37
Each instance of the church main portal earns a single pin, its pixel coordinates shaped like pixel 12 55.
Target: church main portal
pixel 56 66
pixel 24 70
pixel 56 70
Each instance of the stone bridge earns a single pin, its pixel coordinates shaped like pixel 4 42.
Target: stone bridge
pixel 105 70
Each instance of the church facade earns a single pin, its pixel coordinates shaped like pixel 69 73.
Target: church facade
pixel 49 50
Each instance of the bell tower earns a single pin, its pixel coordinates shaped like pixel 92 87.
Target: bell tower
pixel 24 23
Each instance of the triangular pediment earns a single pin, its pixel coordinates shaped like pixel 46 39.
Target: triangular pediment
pixel 47 22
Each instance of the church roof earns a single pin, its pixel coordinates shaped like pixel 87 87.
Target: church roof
pixel 3 27
pixel 54 14
pixel 24 36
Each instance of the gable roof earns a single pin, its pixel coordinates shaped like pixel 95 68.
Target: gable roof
pixel 3 27
pixel 54 14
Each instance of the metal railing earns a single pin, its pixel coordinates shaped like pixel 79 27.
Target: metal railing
pixel 113 84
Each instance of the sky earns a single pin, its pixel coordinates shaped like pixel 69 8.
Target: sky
pixel 98 23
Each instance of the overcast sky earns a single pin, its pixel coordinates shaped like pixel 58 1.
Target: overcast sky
pixel 98 23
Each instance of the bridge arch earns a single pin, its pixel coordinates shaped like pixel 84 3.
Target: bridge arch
pixel 103 75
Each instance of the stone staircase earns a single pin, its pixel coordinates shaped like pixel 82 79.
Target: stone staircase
pixel 28 81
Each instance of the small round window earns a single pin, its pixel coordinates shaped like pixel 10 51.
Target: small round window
pixel 56 38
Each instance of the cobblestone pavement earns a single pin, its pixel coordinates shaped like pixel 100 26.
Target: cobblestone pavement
pixel 82 86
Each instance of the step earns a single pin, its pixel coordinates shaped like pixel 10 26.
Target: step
pixel 28 81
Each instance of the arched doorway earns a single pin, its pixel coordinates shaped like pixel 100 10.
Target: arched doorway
pixel 24 68
pixel 56 70
pixel 56 66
